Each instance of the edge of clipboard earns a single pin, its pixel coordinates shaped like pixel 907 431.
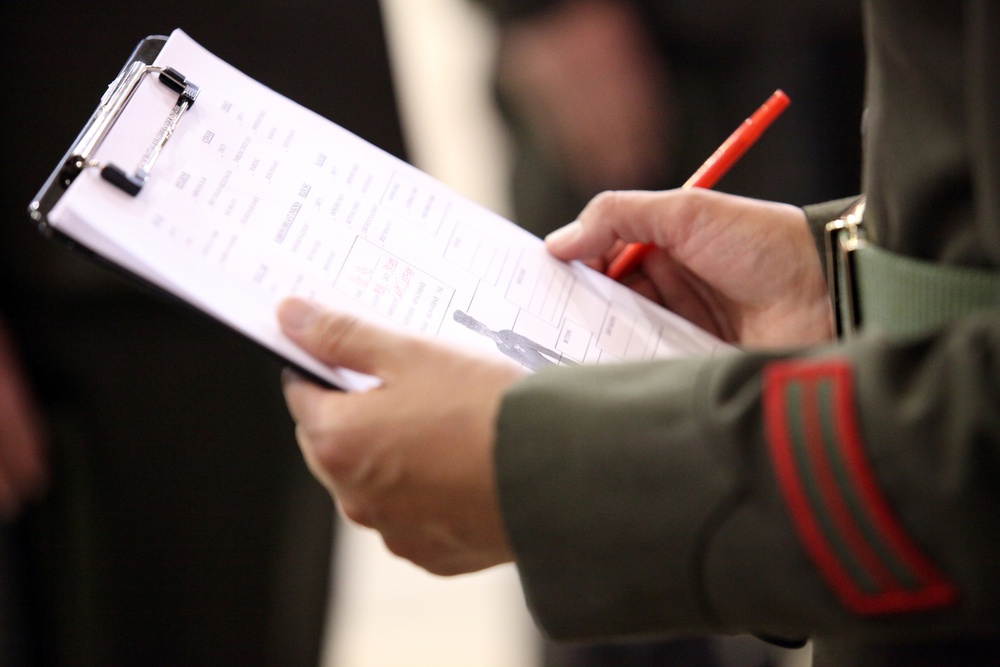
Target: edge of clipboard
pixel 58 183
pixel 60 179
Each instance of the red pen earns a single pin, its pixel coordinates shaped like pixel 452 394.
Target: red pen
pixel 708 174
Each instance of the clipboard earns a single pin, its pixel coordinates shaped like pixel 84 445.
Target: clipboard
pixel 80 156
pixel 242 197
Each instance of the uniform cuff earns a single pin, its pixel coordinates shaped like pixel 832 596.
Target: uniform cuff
pixel 608 491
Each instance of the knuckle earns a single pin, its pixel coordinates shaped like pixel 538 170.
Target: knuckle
pixel 407 546
pixel 427 553
pixel 605 203
pixel 334 457
pixel 358 513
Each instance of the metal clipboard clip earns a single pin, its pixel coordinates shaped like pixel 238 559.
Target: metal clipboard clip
pixel 113 102
pixel 843 237
pixel 187 93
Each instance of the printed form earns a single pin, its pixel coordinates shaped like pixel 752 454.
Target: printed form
pixel 255 198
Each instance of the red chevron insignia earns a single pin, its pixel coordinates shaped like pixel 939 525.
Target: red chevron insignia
pixel 843 519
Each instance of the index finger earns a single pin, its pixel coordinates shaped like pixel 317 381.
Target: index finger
pixel 607 220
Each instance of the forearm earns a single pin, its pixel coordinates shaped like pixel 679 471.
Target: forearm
pixel 651 499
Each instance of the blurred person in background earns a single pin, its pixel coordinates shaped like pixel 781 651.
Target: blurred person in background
pixel 636 94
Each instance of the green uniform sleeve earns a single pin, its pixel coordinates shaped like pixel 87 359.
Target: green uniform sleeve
pixel 837 491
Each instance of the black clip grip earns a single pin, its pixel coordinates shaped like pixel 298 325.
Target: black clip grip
pixel 187 94
pixel 130 184
pixel 180 84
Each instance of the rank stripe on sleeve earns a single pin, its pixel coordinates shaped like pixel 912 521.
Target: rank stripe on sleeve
pixel 842 518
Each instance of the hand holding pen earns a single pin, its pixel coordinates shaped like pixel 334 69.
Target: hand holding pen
pixel 731 150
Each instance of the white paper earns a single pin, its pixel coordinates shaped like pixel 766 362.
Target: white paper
pixel 255 198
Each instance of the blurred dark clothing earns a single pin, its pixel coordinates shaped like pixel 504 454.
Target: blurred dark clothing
pixel 182 527
pixel 722 60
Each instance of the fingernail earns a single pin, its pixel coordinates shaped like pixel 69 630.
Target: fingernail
pixel 565 234
pixel 297 314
